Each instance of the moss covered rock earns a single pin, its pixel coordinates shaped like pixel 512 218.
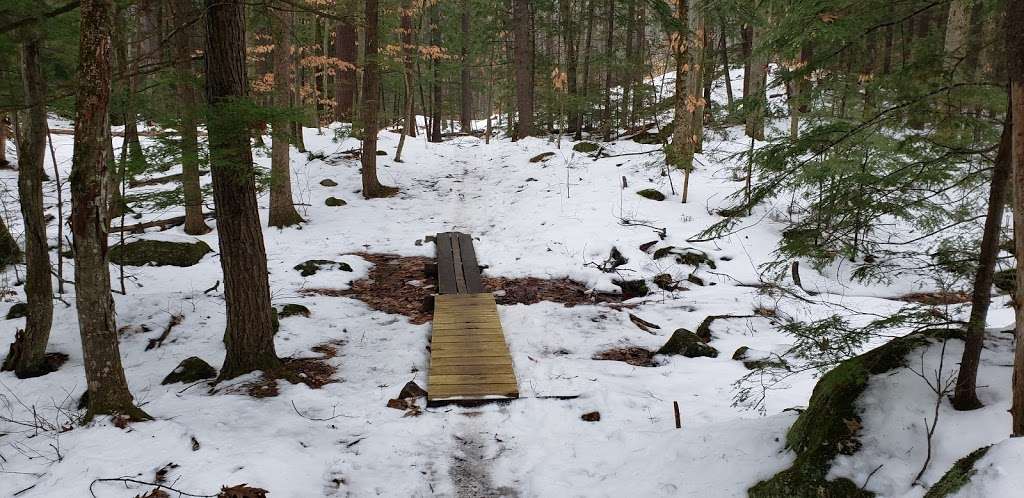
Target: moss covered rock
pixel 17 310
pixel 665 281
pixel 334 202
pixel 829 426
pixel 542 157
pixel 327 182
pixel 293 310
pixel 632 288
pixel 190 370
pixel 685 256
pixel 652 194
pixel 686 343
pixel 754 359
pixel 159 253
pixel 586 147
pixel 647 138
pixel 10 252
pixel 957 476
pixel 312 266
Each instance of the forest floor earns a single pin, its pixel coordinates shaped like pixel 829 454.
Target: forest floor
pixel 551 220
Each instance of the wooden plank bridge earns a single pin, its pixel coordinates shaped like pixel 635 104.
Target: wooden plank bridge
pixel 469 360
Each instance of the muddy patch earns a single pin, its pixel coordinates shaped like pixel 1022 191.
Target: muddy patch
pixel 401 285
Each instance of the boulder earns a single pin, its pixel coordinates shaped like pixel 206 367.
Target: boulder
pixel 411 390
pixel 190 370
pixel 159 253
pixel 686 343
pixel 632 288
pixel 586 147
pixel 591 417
pixel 334 202
pixel 754 359
pixel 542 157
pixel 327 182
pixel 312 266
pixel 17 310
pixel 652 194
pixel 829 426
pixel 293 310
pixel 647 138
pixel 685 256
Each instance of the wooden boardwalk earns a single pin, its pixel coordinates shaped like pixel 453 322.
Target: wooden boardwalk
pixel 469 360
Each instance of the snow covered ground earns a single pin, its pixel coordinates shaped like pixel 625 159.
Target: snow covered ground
pixel 547 219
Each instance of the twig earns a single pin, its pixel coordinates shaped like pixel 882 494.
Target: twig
pixel 144 483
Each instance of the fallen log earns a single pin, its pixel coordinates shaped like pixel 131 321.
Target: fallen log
pixel 163 224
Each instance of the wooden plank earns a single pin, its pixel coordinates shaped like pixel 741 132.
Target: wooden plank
pixel 460 277
pixel 489 378
pixel 466 361
pixel 445 265
pixel 467 390
pixel 486 336
pixel 479 349
pixel 469 369
pixel 471 268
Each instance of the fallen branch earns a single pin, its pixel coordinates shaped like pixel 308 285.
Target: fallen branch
pixel 159 341
pixel 127 480
pixel 164 224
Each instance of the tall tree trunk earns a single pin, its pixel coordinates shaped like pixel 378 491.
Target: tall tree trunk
pixel 965 395
pixel 755 99
pixel 282 207
pixel 609 54
pixel 466 99
pixel 523 32
pixel 696 39
pixel 687 94
pixel 587 45
pixel 182 12
pixel 569 41
pixel 344 77
pixel 723 46
pixel 3 140
pixel 28 353
pixel 249 336
pixel 435 77
pixel 957 27
pixel 107 387
pixel 372 187
pixel 409 127
pixel 1015 59
pixel 629 57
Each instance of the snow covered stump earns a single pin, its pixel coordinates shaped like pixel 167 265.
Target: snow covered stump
pixel 469 360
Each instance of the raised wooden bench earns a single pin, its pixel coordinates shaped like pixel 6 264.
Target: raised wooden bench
pixel 469 360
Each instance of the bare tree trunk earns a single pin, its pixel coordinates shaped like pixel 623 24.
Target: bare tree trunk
pixel 587 45
pixel 755 100
pixel 1015 58
pixel 609 54
pixel 724 48
pixel 957 27
pixel 282 207
pixel 466 100
pixel 696 37
pixel 569 40
pixel 107 387
pixel 522 26
pixel 249 336
pixel 3 140
pixel 409 128
pixel 372 187
pixel 28 352
pixel 687 95
pixel 435 78
pixel 195 224
pixel 965 395
pixel 345 77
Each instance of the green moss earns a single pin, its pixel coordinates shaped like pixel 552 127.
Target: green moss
pixel 830 425
pixel 542 157
pixel 327 182
pixel 652 194
pixel 958 475
pixel 293 310
pixel 312 266
pixel 586 147
pixel 159 253
pixel 686 343
pixel 648 138
pixel 334 202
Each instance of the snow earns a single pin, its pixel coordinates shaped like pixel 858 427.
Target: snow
pixel 341 440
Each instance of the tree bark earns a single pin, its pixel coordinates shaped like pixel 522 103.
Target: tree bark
pixel 466 99
pixel 409 128
pixel 372 187
pixel 249 337
pixel 523 33
pixel 965 395
pixel 282 207
pixel 754 89
pixel 569 40
pixel 1015 59
pixel 107 387
pixel 28 353
pixel 344 78
pixel 195 223
pixel 585 94
pixel 435 77
pixel 609 54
